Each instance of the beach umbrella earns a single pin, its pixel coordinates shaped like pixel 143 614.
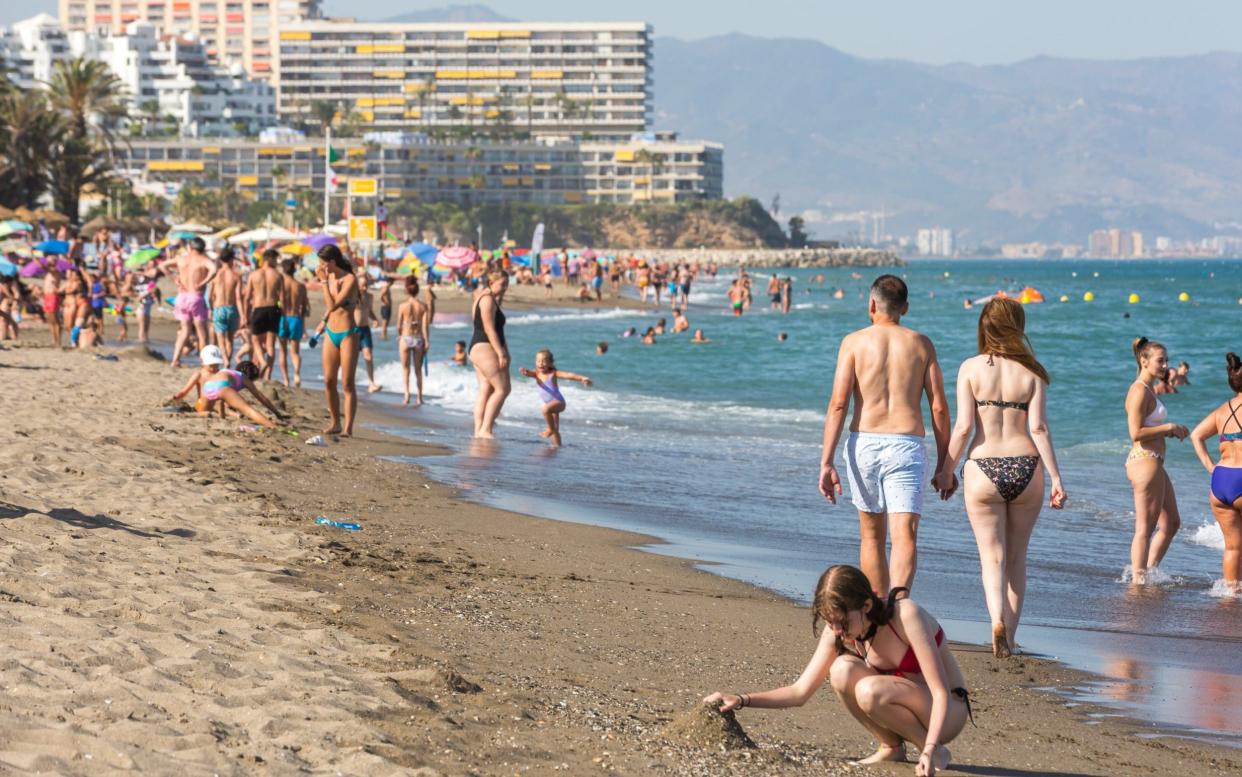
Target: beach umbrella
pixel 196 228
pixel 32 269
pixel 14 225
pixel 53 247
pixel 182 234
pixel 425 252
pixel 141 257
pixel 340 229
pixel 589 254
pixel 7 268
pixel 319 240
pixel 5 213
pixel 102 222
pixel 295 249
pixel 26 214
pixel 262 235
pixel 226 233
pixel 51 216
pixel 456 257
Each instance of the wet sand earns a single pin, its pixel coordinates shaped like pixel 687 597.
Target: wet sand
pixel 172 606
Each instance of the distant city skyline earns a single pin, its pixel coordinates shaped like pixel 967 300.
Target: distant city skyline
pixel 975 31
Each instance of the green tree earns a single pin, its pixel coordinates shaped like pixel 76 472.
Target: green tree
pixel 324 114
pixel 797 232
pixel 27 124
pixel 90 103
pixel 279 174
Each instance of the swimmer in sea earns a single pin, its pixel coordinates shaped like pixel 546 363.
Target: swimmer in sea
pixel 459 353
pixel 545 375
pixel 680 324
pixel 660 326
pixel 649 337
pixel 782 337
pixel 737 297
pixel 888 662
pixel 698 337
pixel 601 348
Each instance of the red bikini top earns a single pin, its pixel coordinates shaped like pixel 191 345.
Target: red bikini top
pixel 909 663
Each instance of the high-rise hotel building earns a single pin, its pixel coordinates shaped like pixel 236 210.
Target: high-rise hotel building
pixel 539 77
pixel 232 31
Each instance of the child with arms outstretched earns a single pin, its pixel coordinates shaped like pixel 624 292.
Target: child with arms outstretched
pixel 545 375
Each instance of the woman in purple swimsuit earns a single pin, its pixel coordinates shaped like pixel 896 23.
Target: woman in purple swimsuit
pixel 1226 490
pixel 1002 397
pixel 545 375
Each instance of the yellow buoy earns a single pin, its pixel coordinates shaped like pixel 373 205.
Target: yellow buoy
pixel 1134 299
pixel 1183 297
pixel 1065 298
pixel 1089 297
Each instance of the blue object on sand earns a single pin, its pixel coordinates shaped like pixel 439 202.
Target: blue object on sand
pixel 347 526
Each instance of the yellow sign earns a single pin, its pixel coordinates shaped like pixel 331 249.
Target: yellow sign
pixel 363 187
pixel 362 228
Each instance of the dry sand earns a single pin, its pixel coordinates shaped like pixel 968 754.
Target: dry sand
pixel 170 606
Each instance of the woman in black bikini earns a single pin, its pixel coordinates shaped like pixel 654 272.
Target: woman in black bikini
pixel 340 353
pixel 1001 396
pixel 896 677
pixel 488 353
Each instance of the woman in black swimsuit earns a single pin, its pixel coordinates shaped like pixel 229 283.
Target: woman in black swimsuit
pixel 1001 396
pixel 488 352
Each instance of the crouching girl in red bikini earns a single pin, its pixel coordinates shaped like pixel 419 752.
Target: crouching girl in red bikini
pixel 889 665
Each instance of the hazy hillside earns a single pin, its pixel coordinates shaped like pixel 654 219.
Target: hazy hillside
pixel 1045 148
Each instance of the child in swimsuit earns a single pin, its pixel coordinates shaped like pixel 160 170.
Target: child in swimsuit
pixel 216 384
pixel 545 375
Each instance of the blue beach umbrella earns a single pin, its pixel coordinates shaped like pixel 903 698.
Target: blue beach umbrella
pixel 53 247
pixel 7 268
pixel 425 252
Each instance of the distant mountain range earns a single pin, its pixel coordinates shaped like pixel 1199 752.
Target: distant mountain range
pixel 1046 149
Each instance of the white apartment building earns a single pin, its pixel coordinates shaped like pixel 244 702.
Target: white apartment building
pixel 164 75
pixel 30 47
pixel 936 241
pixel 244 32
pixel 541 78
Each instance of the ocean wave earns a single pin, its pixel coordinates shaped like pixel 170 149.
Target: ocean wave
pixel 1223 589
pixel 1208 535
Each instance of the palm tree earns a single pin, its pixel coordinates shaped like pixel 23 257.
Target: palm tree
pixel 26 127
pixel 324 114
pixel 278 173
pixel 90 101
pixel 650 160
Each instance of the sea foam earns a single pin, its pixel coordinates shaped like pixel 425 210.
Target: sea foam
pixel 1209 535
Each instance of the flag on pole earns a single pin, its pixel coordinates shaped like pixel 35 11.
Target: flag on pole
pixel 333 179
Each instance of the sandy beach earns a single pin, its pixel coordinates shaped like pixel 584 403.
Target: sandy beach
pixel 172 607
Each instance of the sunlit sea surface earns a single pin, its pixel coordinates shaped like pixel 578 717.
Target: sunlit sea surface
pixel 714 450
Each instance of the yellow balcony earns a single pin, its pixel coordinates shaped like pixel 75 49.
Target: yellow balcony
pixel 546 74
pixel 247 180
pixel 175 166
pixel 381 48
pixel 397 74
pixel 295 35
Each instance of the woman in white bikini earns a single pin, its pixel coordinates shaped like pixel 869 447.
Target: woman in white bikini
pixel 1156 519
pixel 413 337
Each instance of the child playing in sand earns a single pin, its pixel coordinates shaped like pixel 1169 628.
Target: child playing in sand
pixel 222 385
pixel 545 375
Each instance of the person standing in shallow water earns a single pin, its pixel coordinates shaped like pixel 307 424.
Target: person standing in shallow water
pixel 1156 518
pixel 1002 397
pixel 1225 494
pixel 885 369
pixel 489 353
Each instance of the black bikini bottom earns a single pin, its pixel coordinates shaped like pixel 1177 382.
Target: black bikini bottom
pixel 1010 474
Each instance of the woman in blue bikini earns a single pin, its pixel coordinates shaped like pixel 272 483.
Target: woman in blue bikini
pixel 1002 397
pixel 1226 490
pixel 545 375
pixel 340 353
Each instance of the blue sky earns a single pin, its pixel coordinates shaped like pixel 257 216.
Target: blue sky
pixel 979 31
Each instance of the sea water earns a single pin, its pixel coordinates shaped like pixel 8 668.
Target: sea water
pixel 714 449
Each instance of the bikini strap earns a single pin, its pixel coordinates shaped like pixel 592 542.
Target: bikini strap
pixel 1233 414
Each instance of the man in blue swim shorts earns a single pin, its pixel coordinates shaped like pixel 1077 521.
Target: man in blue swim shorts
pixel 886 369
pixel 225 295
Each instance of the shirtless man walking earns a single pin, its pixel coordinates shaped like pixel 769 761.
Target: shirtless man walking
pixel 194 272
pixel 886 369
pixel 264 288
pixel 363 314
pixel 226 304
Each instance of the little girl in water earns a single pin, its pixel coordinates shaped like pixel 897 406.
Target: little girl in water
pixel 545 375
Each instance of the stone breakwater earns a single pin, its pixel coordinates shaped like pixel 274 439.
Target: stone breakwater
pixel 772 257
